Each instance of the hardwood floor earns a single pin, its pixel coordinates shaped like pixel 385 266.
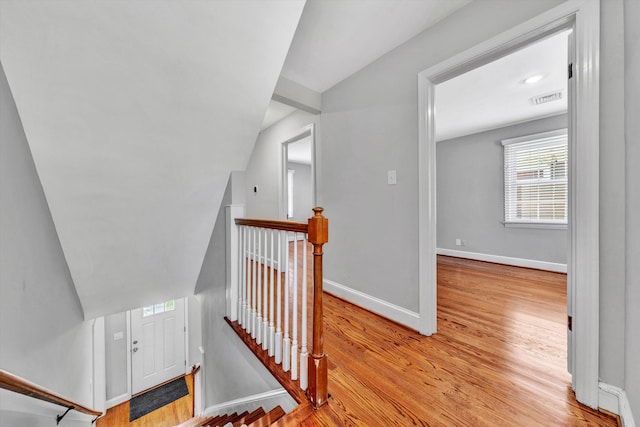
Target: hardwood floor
pixel 498 358
pixel 167 416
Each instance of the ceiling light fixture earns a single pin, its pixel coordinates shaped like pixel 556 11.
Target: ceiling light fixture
pixel 533 79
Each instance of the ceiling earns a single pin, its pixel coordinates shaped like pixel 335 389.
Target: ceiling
pixel 276 112
pixel 495 95
pixel 337 38
pixel 136 113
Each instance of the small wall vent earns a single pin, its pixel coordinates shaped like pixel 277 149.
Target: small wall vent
pixel 556 96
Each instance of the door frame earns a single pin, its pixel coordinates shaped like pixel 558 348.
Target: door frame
pixel 308 130
pixel 583 230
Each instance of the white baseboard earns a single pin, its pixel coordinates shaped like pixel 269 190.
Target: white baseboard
pixel 117 400
pixel 614 399
pixel 268 400
pixel 383 308
pixel 499 259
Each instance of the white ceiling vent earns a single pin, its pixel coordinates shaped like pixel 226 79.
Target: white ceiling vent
pixel 542 99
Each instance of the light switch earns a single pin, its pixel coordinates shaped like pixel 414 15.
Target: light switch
pixel 118 336
pixel 391 177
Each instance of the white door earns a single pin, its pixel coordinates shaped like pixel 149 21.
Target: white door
pixel 157 344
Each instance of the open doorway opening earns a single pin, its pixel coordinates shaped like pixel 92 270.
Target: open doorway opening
pixel 298 176
pixel 583 203
pixel 502 197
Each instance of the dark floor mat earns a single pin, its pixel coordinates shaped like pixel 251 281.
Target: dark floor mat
pixel 157 398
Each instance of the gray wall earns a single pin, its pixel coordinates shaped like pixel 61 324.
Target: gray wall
pixel 195 330
pixel 470 197
pixel 265 166
pixel 231 370
pixel 369 125
pixel 302 196
pixel 44 337
pixel 632 127
pixel 116 355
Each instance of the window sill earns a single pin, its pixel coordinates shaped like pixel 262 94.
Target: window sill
pixel 545 226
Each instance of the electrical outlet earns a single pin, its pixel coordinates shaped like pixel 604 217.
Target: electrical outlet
pixel 460 242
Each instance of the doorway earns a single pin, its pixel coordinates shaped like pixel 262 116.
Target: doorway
pixel 298 187
pixel 502 186
pixel 583 206
pixel 157 344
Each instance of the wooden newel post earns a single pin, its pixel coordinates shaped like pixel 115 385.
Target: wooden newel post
pixel 317 388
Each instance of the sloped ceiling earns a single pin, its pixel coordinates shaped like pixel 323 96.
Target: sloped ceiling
pixel 335 39
pixel 136 112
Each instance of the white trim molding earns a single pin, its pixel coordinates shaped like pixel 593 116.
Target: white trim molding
pixel 118 400
pixel 383 308
pixel 584 257
pixel 499 259
pixel 614 399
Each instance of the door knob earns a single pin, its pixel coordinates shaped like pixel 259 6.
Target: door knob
pixel 135 342
pixel 135 349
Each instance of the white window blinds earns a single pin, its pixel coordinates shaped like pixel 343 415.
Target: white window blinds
pixel 535 179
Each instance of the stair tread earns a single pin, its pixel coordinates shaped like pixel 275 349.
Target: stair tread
pixel 267 419
pixel 221 420
pixel 254 416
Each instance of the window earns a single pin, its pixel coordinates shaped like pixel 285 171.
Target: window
pixel 535 179
pixel 158 308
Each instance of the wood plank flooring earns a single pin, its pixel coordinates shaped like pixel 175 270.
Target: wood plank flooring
pixel 498 359
pixel 167 416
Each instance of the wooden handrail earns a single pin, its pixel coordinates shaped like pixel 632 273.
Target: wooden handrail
pixel 299 227
pixel 194 371
pixel 11 382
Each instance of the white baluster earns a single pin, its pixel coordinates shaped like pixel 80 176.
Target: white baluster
pixel 240 271
pixel 254 284
pixel 278 337
pixel 247 281
pixel 245 274
pixel 272 290
pixel 286 342
pixel 294 306
pixel 258 324
pixel 304 368
pixel 247 297
pixel 265 295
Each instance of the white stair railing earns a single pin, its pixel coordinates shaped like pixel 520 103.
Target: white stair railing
pixel 267 294
pixel 273 290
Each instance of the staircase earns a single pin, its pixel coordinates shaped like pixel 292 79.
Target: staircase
pixel 257 418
